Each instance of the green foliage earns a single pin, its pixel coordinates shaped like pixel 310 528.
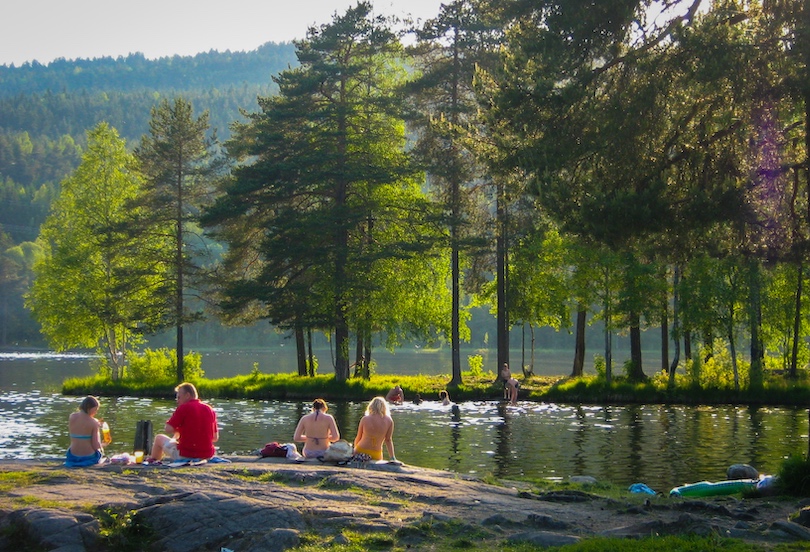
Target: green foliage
pixel 336 220
pixel 90 287
pixel 669 543
pixel 312 368
pixel 161 366
pixel 134 72
pixel 476 363
pixel 123 530
pixel 600 366
pixel 717 372
pixel 794 475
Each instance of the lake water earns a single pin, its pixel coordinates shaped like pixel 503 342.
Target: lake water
pixel 662 446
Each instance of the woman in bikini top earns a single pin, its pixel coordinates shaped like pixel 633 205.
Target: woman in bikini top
pixel 84 428
pixel 316 430
pixel 375 430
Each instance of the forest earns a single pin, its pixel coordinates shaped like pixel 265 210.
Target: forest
pixel 641 165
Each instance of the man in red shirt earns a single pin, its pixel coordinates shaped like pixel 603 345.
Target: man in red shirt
pixel 191 431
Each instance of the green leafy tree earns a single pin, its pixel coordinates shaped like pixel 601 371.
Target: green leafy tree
pixel 779 316
pixel 178 164
pixel 16 275
pixel 90 289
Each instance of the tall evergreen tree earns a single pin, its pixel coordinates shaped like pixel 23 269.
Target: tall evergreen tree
pixel 323 193
pixel 449 50
pixel 178 163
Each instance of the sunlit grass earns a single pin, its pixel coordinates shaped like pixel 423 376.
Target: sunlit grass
pixel 17 479
pixel 454 536
pixel 776 389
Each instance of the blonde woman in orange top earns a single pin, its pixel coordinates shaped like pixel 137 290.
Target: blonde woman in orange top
pixel 375 429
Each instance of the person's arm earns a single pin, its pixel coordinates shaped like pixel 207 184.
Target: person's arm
pixel 389 441
pixel 170 431
pixel 299 436
pixel 334 434
pixel 95 436
pixel 360 431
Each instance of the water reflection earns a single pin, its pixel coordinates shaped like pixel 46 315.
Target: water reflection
pixel 660 445
pixel 455 438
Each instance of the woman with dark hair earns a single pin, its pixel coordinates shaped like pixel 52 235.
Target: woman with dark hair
pixel 85 440
pixel 316 430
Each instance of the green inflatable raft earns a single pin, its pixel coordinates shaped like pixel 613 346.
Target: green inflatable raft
pixel 706 488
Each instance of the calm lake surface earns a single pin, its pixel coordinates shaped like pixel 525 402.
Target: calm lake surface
pixel 662 446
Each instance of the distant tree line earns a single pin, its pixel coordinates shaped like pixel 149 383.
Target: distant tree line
pixel 46 111
pixel 132 73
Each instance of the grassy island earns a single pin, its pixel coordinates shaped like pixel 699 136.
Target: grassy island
pixel 776 390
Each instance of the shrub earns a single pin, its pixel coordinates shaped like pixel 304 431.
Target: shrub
pixel 794 475
pixel 476 363
pixel 161 365
pixel 718 372
pixel 600 365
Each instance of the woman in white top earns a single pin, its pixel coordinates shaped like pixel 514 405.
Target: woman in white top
pixel 316 430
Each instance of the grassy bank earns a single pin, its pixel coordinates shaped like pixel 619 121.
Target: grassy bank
pixel 294 387
pixel 586 390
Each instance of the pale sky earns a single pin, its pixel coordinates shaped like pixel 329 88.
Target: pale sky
pixel 44 30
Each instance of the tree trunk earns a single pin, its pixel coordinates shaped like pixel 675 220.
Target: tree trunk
pixel 311 357
pixel 755 321
pixel 367 357
pixel 608 331
pixel 665 338
pixel 358 355
pixel 733 350
pixel 687 345
pixel 676 323
pixel 636 369
pixel 502 279
pixel 523 346
pixel 455 223
pixel 579 343
pixel 797 323
pixel 179 264
pixel 300 349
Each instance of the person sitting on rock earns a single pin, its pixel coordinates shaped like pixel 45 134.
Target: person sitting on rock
pixel 316 430
pixel 85 442
pixel 191 432
pixel 375 429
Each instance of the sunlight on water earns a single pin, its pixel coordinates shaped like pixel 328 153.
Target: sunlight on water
pixel 660 445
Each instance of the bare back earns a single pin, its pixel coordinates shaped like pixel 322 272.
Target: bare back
pixel 373 432
pixel 84 437
pixel 316 430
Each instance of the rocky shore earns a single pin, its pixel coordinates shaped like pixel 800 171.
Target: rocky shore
pixel 256 504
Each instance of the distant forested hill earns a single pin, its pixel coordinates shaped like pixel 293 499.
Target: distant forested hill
pixel 135 72
pixel 46 109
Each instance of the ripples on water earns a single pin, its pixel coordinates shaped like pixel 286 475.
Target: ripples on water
pixel 662 446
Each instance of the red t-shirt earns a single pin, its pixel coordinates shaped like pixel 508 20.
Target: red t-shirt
pixel 197 424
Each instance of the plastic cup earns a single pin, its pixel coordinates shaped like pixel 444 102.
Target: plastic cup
pixel 139 457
